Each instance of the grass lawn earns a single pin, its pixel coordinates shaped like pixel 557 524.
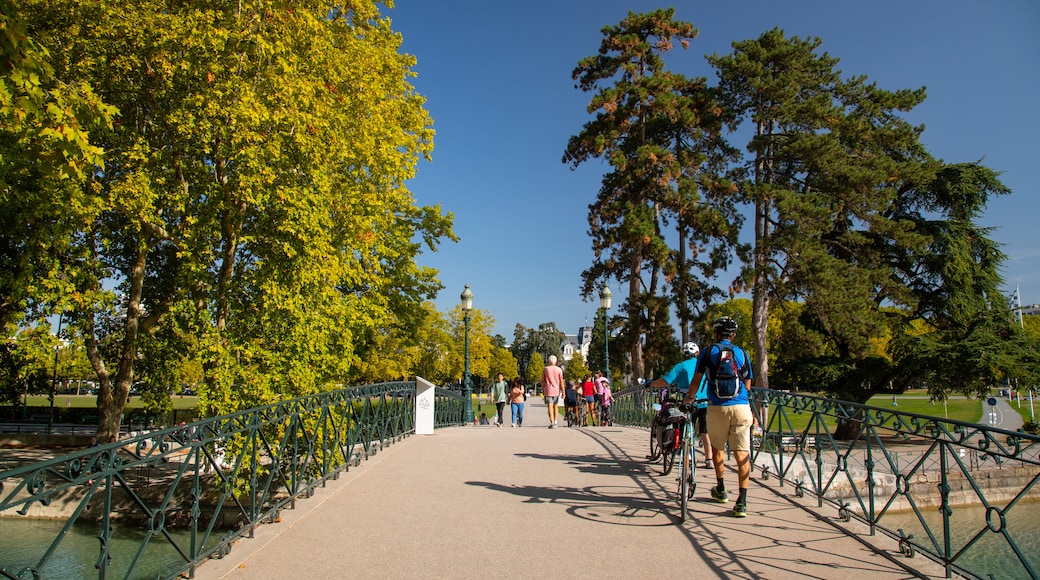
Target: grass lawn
pixel 956 408
pixel 90 402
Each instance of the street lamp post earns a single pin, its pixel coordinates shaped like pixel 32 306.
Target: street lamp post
pixel 467 383
pixel 54 378
pixel 604 303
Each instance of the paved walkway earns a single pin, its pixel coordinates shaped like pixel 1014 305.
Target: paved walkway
pixel 532 502
pixel 1001 416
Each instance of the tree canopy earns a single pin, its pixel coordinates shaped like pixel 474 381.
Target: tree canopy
pixel 868 245
pixel 661 134
pixel 252 200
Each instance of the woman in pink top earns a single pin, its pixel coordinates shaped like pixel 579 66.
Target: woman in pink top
pixel 607 399
pixel 516 402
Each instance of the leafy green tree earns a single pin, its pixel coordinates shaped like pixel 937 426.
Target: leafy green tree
pixel 257 175
pixel 394 351
pixel 533 374
pixel 47 151
pixel 502 361
pixel 480 347
pixel 522 348
pixel 596 358
pixel 864 231
pixel 162 352
pixel 26 362
pixel 576 368
pixel 971 340
pixel 548 341
pixel 825 155
pixel 661 134
pixel 955 335
pixel 437 360
pixel 1031 326
pixel 739 309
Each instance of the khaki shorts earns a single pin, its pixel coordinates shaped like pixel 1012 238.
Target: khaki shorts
pixel 730 423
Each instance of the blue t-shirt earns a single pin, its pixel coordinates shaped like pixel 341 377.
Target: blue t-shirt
pixel 681 375
pixel 743 363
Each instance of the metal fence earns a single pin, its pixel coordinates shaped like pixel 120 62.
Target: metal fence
pixel 186 493
pixel 961 493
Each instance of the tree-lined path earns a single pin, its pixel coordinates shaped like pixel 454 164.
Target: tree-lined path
pixel 487 502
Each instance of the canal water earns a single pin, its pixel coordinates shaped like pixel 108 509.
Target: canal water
pixel 24 541
pixel 993 553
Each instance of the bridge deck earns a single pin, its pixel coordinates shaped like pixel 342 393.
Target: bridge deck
pixel 486 502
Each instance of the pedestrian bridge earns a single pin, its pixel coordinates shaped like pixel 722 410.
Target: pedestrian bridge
pixel 332 485
pixel 532 502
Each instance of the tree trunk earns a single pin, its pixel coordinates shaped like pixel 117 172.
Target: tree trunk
pixel 634 315
pixel 760 297
pixel 112 394
pixel 760 286
pixel 683 278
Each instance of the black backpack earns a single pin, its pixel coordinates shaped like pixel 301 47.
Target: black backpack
pixel 724 379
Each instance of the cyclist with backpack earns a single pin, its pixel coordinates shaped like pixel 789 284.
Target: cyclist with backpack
pixel 730 418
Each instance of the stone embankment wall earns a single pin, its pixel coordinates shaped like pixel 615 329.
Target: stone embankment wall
pixel 998 485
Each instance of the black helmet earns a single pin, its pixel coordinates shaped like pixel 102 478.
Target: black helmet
pixel 725 326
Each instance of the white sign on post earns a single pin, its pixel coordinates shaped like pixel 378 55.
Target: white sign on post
pixel 424 403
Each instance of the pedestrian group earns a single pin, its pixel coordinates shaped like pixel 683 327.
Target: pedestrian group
pixel 722 416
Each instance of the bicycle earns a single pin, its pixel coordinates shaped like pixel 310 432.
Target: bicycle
pixel 664 432
pixel 571 415
pixel 687 461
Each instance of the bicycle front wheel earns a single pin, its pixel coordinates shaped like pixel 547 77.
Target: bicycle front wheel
pixel 686 473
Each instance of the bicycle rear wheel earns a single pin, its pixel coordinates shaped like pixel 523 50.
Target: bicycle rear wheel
pixel 669 460
pixel 655 445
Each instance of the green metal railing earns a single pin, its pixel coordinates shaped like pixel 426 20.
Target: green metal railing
pixel 633 407
pixel 963 494
pixel 188 492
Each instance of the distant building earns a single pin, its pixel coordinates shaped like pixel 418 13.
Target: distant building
pixel 1031 310
pixel 580 342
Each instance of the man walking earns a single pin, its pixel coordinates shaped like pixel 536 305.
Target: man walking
pixel 730 417
pixel 552 387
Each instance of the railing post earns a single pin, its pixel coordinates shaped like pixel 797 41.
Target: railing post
pixel 944 508
pixel 254 477
pixel 869 464
pixel 817 421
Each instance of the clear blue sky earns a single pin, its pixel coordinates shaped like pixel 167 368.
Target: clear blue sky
pixel 497 80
